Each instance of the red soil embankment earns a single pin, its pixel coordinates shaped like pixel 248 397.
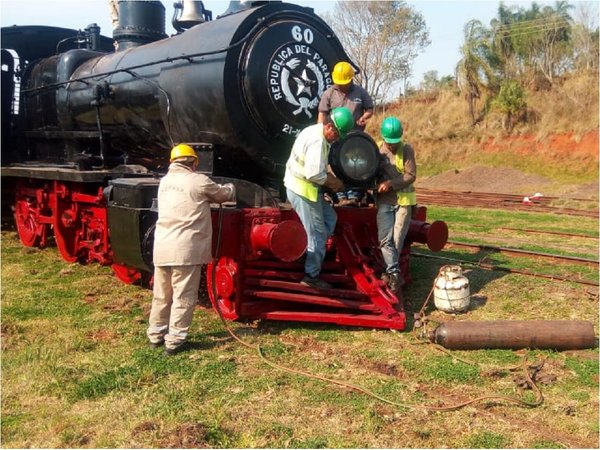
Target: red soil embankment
pixel 555 146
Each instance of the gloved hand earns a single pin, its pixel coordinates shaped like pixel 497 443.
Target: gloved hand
pixel 333 183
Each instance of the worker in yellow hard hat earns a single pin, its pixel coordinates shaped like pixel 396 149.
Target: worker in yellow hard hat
pixel 344 92
pixel 182 244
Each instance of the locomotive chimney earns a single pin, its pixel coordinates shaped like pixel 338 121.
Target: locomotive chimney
pixel 139 22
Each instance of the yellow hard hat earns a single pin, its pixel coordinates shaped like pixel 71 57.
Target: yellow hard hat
pixel 181 150
pixel 342 73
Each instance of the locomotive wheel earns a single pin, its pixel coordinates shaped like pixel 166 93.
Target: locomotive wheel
pixel 224 283
pixel 66 241
pixel 27 218
pixel 32 232
pixel 65 222
pixel 126 274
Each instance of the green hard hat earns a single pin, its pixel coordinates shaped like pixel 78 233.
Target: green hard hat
pixel 391 130
pixel 343 120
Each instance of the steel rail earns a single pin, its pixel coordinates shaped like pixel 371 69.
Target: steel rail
pixel 519 252
pixel 494 267
pixel 528 230
pixel 466 199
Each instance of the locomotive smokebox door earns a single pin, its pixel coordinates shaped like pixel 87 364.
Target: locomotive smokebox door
pixel 300 59
pixel 282 71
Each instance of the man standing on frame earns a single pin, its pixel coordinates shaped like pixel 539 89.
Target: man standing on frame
pixel 344 92
pixel 395 198
pixel 305 176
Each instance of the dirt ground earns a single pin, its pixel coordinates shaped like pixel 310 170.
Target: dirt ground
pixel 560 148
pixel 504 180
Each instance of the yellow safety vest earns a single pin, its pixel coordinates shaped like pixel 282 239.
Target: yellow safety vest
pixel 406 196
pixel 294 178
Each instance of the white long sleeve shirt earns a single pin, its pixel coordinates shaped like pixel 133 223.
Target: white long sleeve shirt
pixel 183 233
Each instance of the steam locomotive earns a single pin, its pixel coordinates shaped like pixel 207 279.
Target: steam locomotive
pixel 88 122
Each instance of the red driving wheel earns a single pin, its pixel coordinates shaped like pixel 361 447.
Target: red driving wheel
pixel 32 232
pixel 126 274
pixel 66 221
pixel 225 278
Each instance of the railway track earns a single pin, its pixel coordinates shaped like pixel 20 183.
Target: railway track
pixel 556 233
pixel 499 268
pixel 468 199
pixel 518 252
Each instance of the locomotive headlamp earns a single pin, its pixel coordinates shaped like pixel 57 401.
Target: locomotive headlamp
pixel 355 160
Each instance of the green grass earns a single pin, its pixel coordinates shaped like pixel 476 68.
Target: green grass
pixel 488 440
pixel 77 371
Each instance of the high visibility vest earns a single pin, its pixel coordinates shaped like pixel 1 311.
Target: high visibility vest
pixel 406 196
pixel 294 178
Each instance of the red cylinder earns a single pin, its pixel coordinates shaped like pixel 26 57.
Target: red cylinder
pixel 435 235
pixel 515 334
pixel 285 240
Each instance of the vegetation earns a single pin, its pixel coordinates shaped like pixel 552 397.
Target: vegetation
pixel 77 371
pixel 532 73
pixel 382 37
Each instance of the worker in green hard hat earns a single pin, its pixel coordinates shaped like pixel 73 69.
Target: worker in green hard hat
pixel 305 176
pixel 395 197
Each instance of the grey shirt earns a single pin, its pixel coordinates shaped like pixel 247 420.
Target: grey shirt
pixel 357 100
pixel 388 171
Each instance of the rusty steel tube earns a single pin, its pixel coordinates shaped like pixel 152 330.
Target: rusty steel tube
pixel 515 334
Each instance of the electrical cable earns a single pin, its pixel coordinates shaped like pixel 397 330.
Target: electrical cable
pixel 188 57
pixel 538 401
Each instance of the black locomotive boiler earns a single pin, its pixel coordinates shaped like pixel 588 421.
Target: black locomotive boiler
pixel 88 122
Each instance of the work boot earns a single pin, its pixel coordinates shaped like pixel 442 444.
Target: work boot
pixel 156 344
pixel 395 281
pixel 315 282
pixel 171 351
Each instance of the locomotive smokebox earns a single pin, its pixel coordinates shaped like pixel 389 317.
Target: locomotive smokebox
pixel 246 83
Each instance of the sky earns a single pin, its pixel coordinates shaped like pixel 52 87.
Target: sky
pixel 445 20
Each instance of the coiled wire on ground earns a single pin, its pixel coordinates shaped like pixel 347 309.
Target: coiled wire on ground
pixel 538 400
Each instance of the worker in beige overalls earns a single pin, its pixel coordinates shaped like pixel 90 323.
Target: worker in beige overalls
pixel 182 243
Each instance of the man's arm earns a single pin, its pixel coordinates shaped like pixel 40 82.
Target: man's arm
pixel 362 120
pixel 324 107
pixel 367 104
pixel 409 175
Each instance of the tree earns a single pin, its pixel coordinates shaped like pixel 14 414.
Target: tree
pixel 585 36
pixel 473 71
pixel 382 38
pixel 533 41
pixel 431 82
pixel 510 101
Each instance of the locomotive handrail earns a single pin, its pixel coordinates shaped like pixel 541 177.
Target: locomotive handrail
pixel 188 57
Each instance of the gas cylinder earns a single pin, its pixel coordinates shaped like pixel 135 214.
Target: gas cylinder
pixel 515 334
pixel 451 291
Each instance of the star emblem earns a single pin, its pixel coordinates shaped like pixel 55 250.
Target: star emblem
pixel 303 83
